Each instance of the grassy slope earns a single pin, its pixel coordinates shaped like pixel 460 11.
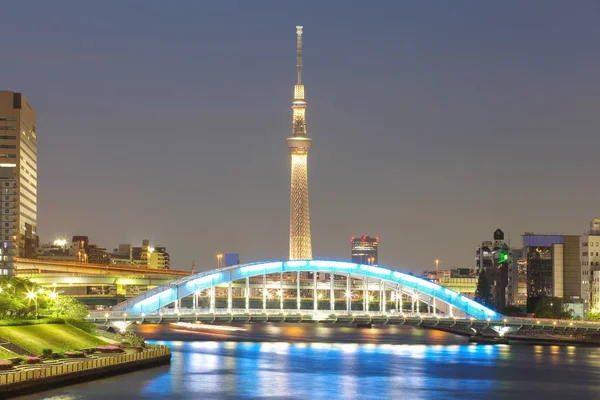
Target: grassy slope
pixel 58 337
pixel 4 354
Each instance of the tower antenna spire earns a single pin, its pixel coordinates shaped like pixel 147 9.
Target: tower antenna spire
pixel 299 56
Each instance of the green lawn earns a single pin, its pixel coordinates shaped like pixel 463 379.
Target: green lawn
pixel 4 354
pixel 58 337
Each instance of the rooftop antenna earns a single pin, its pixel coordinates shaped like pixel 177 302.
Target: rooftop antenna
pixel 299 57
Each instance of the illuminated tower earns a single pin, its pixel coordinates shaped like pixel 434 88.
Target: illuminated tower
pixel 299 146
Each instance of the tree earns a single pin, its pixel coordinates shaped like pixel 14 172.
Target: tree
pixel 513 311
pixel 69 307
pixel 593 316
pixel 483 294
pixel 552 307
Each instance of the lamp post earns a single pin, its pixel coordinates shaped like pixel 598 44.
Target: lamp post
pixel 437 273
pixel 33 295
pixel 219 260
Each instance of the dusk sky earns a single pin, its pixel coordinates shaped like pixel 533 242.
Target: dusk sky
pixel 433 123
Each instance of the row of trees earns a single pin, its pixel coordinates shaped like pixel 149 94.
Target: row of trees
pixel 20 299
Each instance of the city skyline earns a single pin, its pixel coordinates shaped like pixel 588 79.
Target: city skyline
pixel 458 143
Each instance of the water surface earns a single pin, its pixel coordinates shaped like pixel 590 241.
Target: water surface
pixel 420 364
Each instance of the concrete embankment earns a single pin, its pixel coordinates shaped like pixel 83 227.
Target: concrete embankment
pixel 37 378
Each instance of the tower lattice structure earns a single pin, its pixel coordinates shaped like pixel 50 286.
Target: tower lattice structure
pixel 299 146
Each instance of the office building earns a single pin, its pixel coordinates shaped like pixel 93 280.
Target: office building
pixel 492 257
pixel 9 212
pixel 159 258
pixel 364 250
pixel 18 169
pixel 590 267
pixel 553 266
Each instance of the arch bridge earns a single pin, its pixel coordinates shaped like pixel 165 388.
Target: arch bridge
pixel 324 291
pixel 294 285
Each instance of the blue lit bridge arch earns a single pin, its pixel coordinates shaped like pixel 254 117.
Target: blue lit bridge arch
pixel 395 283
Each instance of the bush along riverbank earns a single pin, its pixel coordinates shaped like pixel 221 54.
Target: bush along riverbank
pixel 64 352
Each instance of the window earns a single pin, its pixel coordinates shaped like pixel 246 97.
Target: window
pixel 8 146
pixel 584 253
pixel 7 137
pixel 8 119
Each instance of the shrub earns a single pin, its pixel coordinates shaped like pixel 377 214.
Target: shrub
pixel 5 364
pixel 88 327
pixel 33 360
pixel 74 354
pixel 46 352
pixel 109 349
pixel 21 322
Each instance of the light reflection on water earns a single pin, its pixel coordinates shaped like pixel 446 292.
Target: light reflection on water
pixel 440 367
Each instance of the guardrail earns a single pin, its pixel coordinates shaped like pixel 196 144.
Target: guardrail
pixel 99 315
pixel 39 371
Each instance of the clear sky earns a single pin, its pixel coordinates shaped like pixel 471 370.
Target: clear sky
pixel 433 123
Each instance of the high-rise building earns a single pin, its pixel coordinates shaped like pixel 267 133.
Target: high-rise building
pixel 364 250
pixel 553 266
pixel 493 258
pixel 9 215
pixel 299 146
pixel 159 258
pixel 18 162
pixel 590 267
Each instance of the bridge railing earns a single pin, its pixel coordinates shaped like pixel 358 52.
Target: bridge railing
pixel 169 312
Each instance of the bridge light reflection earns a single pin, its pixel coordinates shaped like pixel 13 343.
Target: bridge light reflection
pixel 209 327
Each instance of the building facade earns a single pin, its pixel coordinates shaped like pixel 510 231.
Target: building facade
pixel 9 214
pixel 553 265
pixel 159 258
pixel 590 267
pixel 18 154
pixel 365 250
pixel 493 258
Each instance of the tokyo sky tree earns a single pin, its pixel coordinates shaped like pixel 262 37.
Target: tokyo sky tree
pixel 299 146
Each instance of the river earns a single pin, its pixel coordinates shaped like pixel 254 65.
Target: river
pixel 327 362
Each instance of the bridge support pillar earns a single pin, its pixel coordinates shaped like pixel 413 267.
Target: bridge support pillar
pixel 332 293
pixel 434 306
pixel 382 300
pixel 195 300
pixel 365 294
pixel 298 297
pixel 348 294
pixel 281 290
pixel 229 298
pixel 398 300
pixel 247 294
pixel 412 304
pixel 315 305
pixel 264 292
pixel 213 291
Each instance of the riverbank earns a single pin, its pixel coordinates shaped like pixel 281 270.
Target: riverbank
pixel 40 377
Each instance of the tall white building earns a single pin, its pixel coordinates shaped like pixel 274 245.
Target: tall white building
pixel 18 168
pixel 590 267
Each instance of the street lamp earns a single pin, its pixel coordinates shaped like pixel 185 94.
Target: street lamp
pixel 437 273
pixel 219 259
pixel 33 295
